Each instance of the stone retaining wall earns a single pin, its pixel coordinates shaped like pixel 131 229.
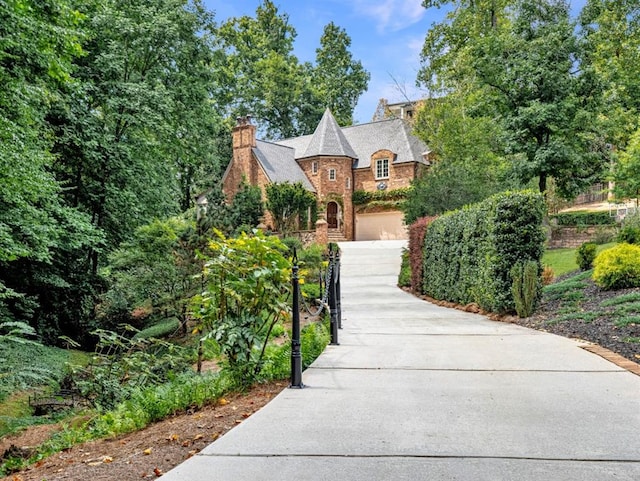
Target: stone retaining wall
pixel 572 237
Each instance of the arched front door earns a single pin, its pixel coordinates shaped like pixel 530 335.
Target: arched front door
pixel 332 215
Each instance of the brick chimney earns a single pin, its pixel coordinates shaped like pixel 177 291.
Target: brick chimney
pixel 242 164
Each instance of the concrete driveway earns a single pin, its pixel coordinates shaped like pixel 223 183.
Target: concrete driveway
pixel 419 392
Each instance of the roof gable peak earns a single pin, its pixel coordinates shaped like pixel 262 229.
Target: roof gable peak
pixel 328 139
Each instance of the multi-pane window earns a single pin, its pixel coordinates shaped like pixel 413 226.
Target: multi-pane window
pixel 314 167
pixel 348 183
pixel 332 174
pixel 382 169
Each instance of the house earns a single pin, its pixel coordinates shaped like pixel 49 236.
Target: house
pixel 332 163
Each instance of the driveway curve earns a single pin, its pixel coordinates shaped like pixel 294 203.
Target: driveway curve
pixel 416 391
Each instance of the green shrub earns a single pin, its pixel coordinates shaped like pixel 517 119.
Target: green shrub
pixel 469 253
pixel 618 267
pixel 583 218
pixel 292 243
pixel 404 278
pixel 585 255
pixel 629 234
pixel 525 287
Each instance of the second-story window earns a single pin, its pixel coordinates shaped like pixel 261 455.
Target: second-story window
pixel 332 174
pixel 348 183
pixel 314 167
pixel 382 169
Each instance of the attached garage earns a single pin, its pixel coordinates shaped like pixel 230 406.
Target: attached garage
pixel 381 226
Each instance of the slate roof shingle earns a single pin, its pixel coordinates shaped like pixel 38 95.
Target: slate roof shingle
pixel 279 164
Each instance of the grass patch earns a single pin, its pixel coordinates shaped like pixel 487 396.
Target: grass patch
pixel 563 261
pixel 634 340
pixel 623 299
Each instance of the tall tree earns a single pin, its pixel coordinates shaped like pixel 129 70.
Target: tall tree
pixel 521 56
pixel 263 77
pixel 139 121
pixel 338 78
pixel 38 40
pixel 611 36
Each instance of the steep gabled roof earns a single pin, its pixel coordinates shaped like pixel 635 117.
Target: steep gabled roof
pixel 279 164
pixel 328 140
pixel 394 135
pixel 366 139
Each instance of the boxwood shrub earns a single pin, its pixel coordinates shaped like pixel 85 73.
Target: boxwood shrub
pixel 469 253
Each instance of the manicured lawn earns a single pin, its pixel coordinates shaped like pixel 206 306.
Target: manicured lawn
pixel 563 261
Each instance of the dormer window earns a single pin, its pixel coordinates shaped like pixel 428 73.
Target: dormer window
pixel 382 169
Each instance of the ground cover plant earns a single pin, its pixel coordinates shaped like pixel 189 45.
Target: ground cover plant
pixel 576 307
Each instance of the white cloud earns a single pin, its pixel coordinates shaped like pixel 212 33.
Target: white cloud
pixel 391 15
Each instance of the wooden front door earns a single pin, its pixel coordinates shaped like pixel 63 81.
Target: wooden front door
pixel 332 215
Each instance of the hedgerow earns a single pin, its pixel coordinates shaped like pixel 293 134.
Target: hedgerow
pixel 582 218
pixel 417 231
pixel 469 253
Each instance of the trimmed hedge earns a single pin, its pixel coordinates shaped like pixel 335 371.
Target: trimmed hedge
pixel 469 253
pixel 417 231
pixel 582 218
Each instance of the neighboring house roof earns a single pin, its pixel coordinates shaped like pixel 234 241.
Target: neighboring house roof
pixel 328 139
pixel 363 140
pixel 279 164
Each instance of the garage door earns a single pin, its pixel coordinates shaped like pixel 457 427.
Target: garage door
pixel 381 226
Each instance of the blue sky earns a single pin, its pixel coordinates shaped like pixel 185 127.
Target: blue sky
pixel 386 35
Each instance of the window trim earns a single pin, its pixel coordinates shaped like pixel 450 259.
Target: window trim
pixel 332 175
pixel 381 167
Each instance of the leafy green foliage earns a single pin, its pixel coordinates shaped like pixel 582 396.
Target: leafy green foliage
pixel 121 365
pixel 262 77
pixel 511 65
pixel 629 234
pixel 157 269
pixel 585 255
pixel 404 278
pixel 289 204
pixel 618 267
pixel 247 208
pixel 25 363
pixel 361 197
pixel 525 287
pixel 245 296
pixel 581 218
pixel 468 254
pixel 338 80
pixel 448 186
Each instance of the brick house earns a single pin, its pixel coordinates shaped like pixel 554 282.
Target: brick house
pixel 332 163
